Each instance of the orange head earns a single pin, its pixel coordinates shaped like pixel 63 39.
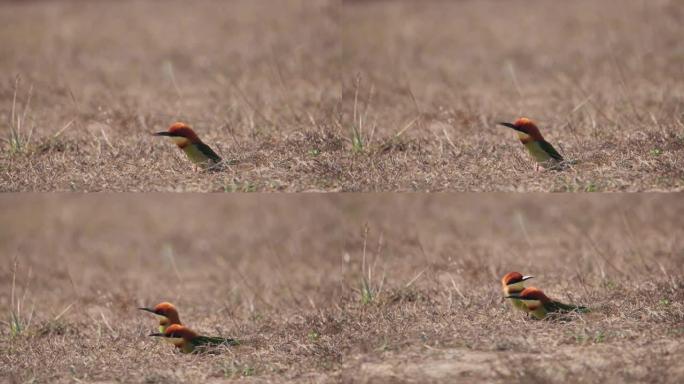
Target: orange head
pixel 177 331
pixel 513 278
pixel 533 293
pixel 177 334
pixel 167 312
pixel 526 127
pixel 181 134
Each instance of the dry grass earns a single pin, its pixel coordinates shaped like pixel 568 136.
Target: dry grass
pixel 284 274
pixel 603 79
pixel 331 95
pixel 255 78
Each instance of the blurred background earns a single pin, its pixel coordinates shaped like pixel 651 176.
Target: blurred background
pixel 124 251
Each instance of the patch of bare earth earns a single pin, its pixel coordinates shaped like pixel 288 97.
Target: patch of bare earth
pixel 341 288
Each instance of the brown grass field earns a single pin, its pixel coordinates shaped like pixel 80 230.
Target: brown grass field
pixel 315 95
pixel 284 274
pixel 259 80
pixel 341 95
pixel 604 79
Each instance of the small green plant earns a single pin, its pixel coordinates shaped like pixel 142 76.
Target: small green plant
pixel 19 139
pixel 586 336
pixel 599 337
pixel 275 184
pixel 664 302
pixel 655 152
pixel 366 291
pixel 591 187
pixel 233 369
pixel 313 152
pixel 240 187
pixel 384 346
pixel 357 141
pixel 18 323
pixel 313 335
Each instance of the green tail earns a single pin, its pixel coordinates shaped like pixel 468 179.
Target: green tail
pixel 210 340
pixel 556 306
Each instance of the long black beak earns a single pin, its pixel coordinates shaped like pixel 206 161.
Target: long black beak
pixel 147 309
pixel 509 125
pixel 164 133
pixel 157 334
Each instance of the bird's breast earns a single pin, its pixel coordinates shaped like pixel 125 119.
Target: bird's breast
pixel 524 137
pixel 537 152
pixel 177 341
pixel 532 304
pixel 195 154
pixel 180 141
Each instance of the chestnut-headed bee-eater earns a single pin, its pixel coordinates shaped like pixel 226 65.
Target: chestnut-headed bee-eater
pixel 540 150
pixel 187 140
pixel 540 306
pixel 167 313
pixel 512 284
pixel 189 341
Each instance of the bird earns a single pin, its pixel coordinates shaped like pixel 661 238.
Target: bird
pixel 512 284
pixel 187 140
pixel 189 341
pixel 540 306
pixel 541 151
pixel 167 313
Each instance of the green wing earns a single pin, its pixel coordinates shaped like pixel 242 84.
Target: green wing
pixel 209 152
pixel 548 148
